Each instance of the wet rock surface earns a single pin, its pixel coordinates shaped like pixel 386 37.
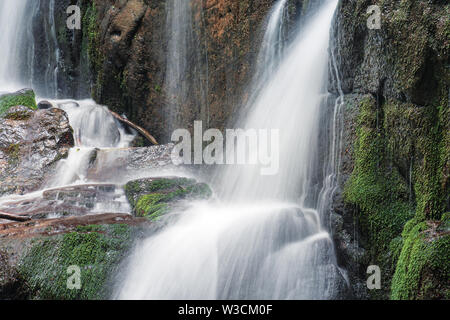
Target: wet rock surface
pixel 31 143
pixel 122 165
pixel 69 201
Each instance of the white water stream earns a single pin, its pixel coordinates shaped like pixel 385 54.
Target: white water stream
pixel 261 240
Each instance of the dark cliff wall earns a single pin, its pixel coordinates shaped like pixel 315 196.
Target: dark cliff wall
pixel 396 145
pixel 129 52
pixel 55 61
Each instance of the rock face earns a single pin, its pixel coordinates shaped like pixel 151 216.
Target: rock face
pixel 396 145
pixel 129 51
pixel 31 142
pixel 66 60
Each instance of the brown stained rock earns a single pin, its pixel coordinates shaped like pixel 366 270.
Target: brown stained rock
pixel 133 51
pixel 50 227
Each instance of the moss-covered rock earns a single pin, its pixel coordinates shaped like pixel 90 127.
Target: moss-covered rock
pixel 96 250
pixel 156 196
pixel 25 97
pixel 423 268
pixel 401 147
pixel 378 191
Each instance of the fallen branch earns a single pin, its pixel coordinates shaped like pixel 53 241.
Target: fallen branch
pixel 142 131
pixel 13 217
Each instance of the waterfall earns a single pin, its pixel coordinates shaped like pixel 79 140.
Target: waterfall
pixel 273 42
pixel 263 238
pixel 270 53
pixel 12 14
pixel 185 82
pixel 31 53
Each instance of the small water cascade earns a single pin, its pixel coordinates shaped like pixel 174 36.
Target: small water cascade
pixel 94 129
pixel 264 237
pixel 11 17
pixel 53 59
pixel 185 83
pixel 273 44
pixel 31 50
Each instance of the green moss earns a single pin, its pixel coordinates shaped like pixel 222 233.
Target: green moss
pixel 445 225
pixel 401 159
pixel 152 206
pixel 423 269
pixel 91 42
pixel 23 98
pixel 97 250
pixel 378 191
pixel 154 197
pixel 380 194
pixel 430 186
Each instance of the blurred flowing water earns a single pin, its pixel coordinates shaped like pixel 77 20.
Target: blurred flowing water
pixel 264 237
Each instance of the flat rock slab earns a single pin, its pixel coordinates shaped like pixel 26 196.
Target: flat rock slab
pixel 69 201
pixel 123 165
pixel 51 227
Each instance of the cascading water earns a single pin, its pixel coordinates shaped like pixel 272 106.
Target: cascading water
pixel 94 127
pixel 31 50
pixel 11 17
pixel 264 239
pixel 273 43
pixel 184 83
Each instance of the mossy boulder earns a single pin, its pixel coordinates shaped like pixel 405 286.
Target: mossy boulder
pixel 155 197
pixel 96 250
pixel 24 97
pixel 423 268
